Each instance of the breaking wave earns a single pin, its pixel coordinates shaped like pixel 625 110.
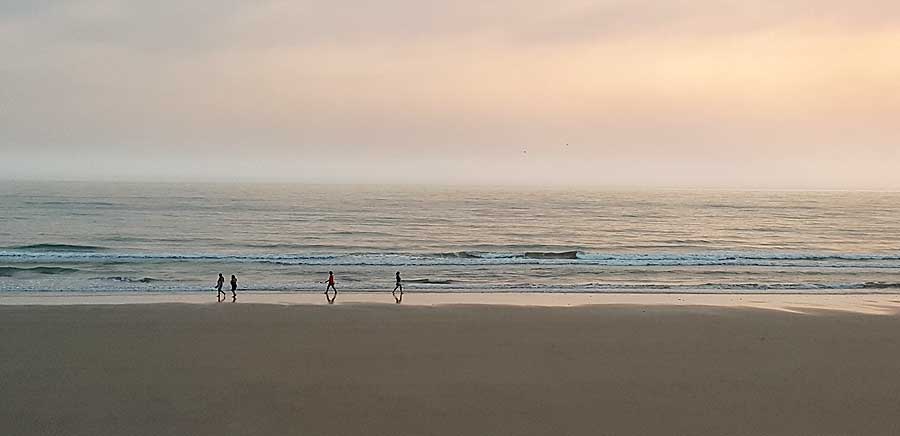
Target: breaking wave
pixel 82 254
pixel 132 279
pixel 430 281
pixel 58 247
pixel 527 255
pixel 11 271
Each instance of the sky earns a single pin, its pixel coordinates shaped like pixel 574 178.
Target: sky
pixel 793 94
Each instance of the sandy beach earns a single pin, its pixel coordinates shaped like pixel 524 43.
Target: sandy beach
pixel 383 369
pixel 450 218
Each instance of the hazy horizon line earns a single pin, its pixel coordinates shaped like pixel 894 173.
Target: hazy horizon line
pixel 444 184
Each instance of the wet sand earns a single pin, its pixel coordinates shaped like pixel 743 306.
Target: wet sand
pixel 384 369
pixel 796 302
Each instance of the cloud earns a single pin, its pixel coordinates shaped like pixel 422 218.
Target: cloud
pixel 177 25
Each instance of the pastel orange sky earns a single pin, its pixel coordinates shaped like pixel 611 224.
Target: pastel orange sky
pixel 703 93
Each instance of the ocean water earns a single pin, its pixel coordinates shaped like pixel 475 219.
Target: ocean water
pixel 177 237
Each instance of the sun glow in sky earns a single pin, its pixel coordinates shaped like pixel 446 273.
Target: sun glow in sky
pixel 709 93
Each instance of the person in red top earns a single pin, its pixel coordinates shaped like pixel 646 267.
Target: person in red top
pixel 330 287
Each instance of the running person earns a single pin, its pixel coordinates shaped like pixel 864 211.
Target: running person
pixel 219 283
pixel 400 287
pixel 399 283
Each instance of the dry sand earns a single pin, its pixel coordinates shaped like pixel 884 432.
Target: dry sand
pixel 364 369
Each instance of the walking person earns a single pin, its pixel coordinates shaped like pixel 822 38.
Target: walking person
pixel 219 283
pixel 233 288
pixel 330 286
pixel 400 287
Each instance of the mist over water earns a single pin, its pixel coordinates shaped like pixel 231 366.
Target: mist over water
pixel 178 237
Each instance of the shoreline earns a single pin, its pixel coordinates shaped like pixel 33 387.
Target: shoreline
pixel 876 304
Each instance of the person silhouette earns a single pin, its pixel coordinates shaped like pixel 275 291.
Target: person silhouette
pixel 400 287
pixel 233 288
pixel 220 293
pixel 330 286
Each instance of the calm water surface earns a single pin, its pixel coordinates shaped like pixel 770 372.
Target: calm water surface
pixel 177 237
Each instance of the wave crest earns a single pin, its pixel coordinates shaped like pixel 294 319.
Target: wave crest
pixel 552 255
pixel 132 279
pixel 11 271
pixel 58 247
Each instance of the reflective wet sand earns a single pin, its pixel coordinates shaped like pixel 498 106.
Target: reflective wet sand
pixel 885 304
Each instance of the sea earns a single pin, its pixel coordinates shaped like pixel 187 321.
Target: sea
pixel 177 237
